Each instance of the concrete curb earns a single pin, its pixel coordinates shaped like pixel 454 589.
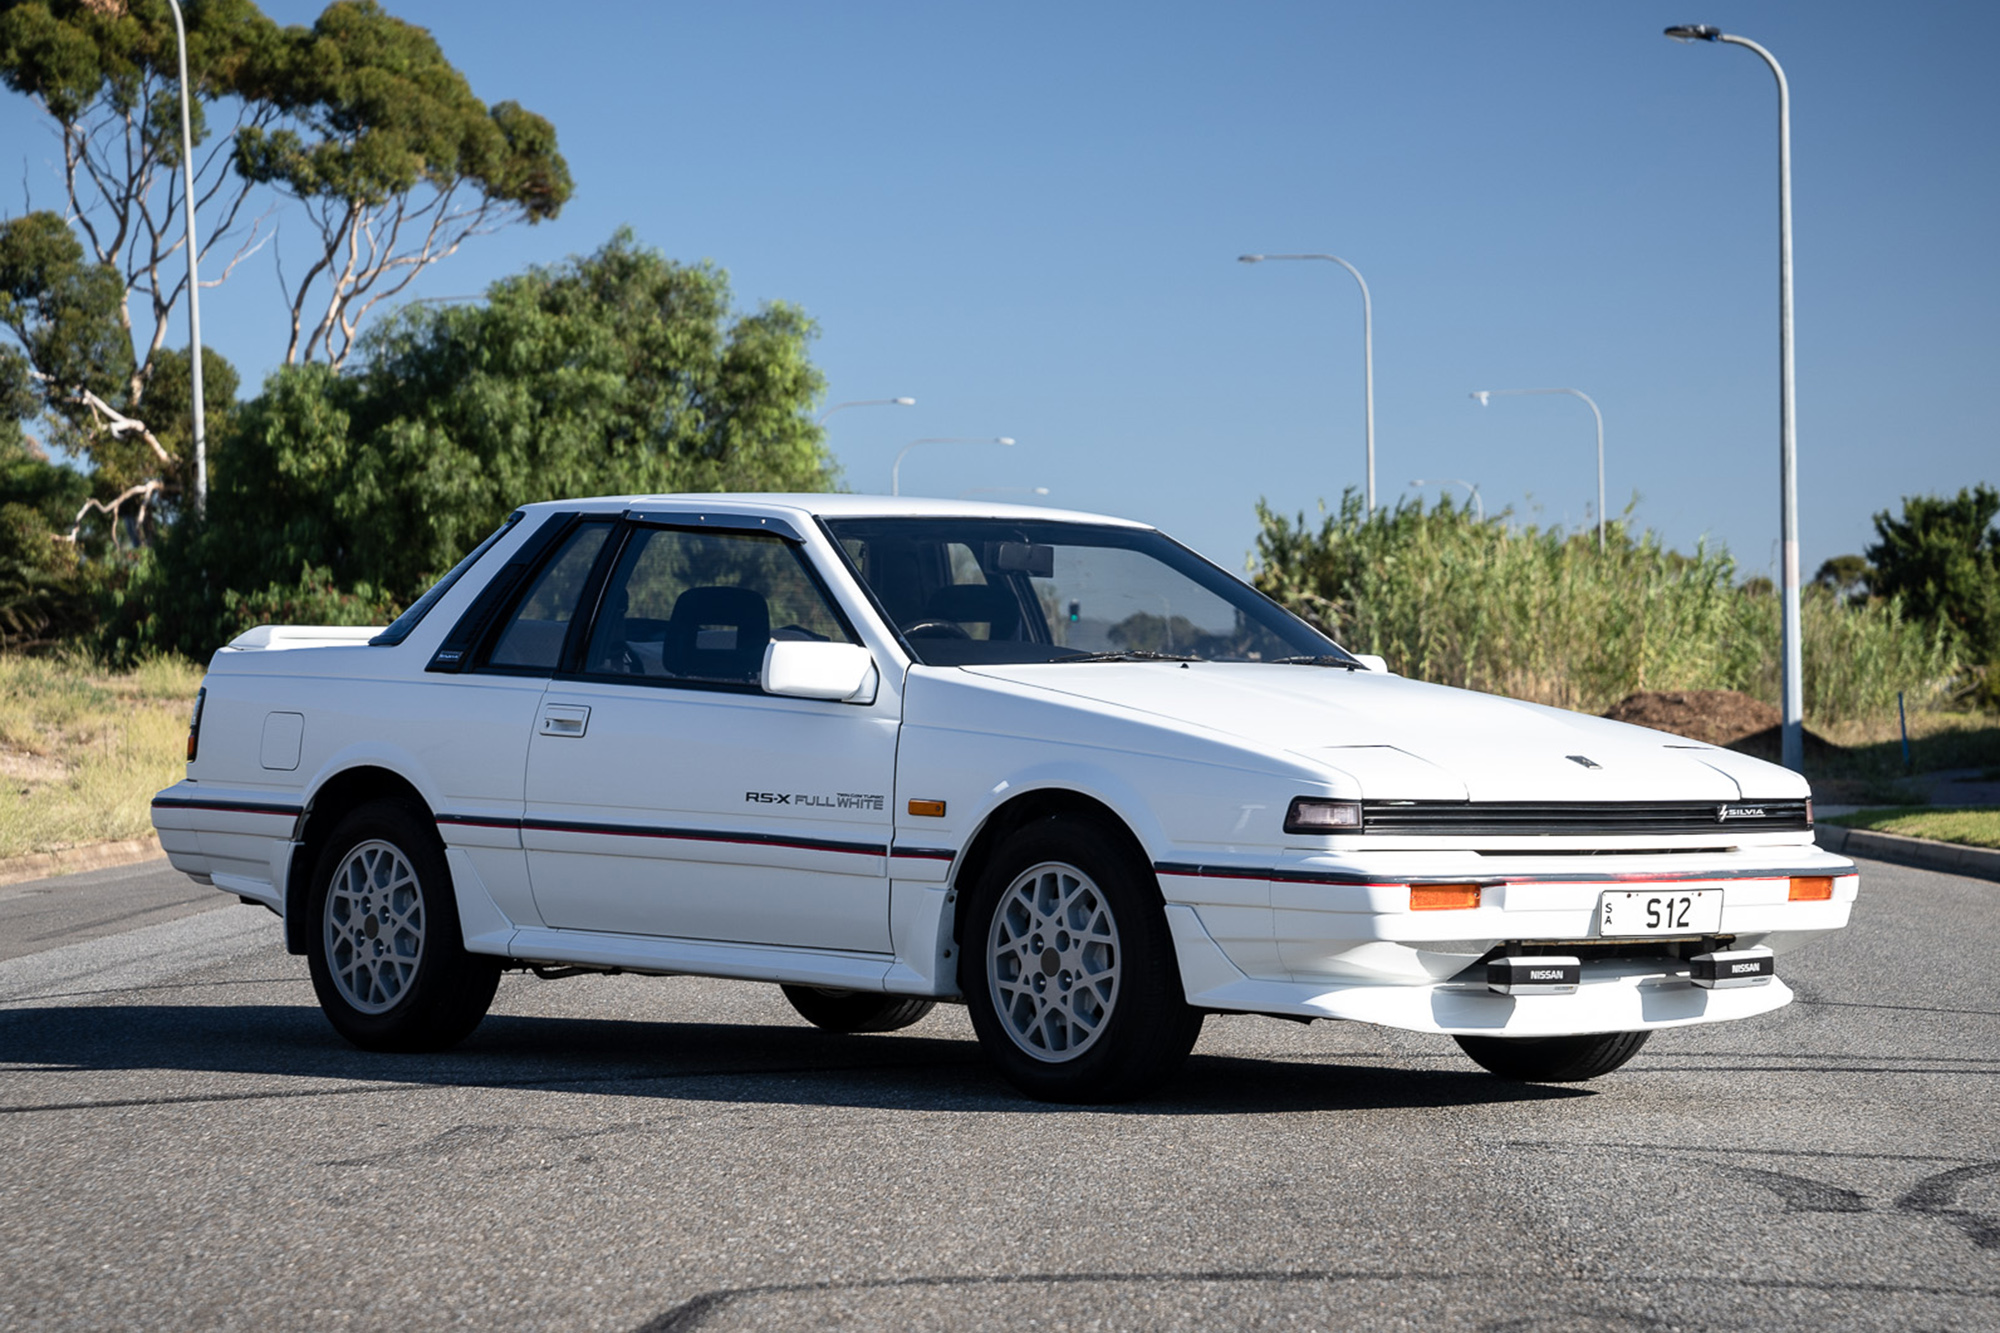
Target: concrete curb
pixel 1950 857
pixel 72 860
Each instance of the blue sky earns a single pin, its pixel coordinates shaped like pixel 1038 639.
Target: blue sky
pixel 1027 217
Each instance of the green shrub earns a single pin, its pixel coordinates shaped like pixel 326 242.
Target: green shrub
pixel 45 590
pixel 1858 657
pixel 1542 614
pixel 1942 557
pixel 313 600
pixel 167 607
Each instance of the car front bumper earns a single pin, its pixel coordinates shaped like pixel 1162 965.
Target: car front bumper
pixel 1344 942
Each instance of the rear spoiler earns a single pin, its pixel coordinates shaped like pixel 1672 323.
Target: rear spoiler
pixel 275 637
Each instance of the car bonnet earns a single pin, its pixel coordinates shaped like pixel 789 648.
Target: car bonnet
pixel 1405 739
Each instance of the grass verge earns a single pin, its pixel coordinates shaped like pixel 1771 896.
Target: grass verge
pixel 1863 764
pixel 1973 827
pixel 82 749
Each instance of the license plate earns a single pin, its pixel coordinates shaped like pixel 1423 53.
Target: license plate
pixel 1660 912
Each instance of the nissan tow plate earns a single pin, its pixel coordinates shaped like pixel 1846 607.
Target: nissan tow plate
pixel 1661 911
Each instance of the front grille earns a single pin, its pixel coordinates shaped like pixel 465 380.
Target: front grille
pixel 1574 818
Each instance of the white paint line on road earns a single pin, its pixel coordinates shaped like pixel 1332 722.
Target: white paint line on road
pixel 143 957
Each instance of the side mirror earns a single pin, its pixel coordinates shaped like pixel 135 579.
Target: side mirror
pixel 1374 663
pixel 808 670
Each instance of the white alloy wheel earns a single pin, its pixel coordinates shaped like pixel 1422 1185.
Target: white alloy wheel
pixel 374 923
pixel 1052 962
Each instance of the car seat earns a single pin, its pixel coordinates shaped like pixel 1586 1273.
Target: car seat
pixel 718 633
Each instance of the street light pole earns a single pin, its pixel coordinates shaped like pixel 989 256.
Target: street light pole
pixel 896 468
pixel 1367 352
pixel 1477 503
pixel 1792 727
pixel 866 402
pixel 1483 394
pixel 194 280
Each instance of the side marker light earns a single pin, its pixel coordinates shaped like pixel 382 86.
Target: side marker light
pixel 928 809
pixel 1443 897
pixel 1812 889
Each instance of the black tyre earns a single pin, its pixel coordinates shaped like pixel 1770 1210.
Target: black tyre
pixel 388 959
pixel 856 1010
pixel 1068 969
pixel 1553 1059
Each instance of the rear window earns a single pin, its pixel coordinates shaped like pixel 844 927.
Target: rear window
pixel 399 629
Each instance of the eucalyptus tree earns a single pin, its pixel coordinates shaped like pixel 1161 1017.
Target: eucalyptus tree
pixel 105 72
pixel 358 121
pixel 394 160
pixel 620 371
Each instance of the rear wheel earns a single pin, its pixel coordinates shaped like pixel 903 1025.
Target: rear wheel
pixel 1068 969
pixel 1553 1059
pixel 388 960
pixel 854 1010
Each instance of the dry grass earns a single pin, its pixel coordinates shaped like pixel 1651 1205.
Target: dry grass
pixel 82 750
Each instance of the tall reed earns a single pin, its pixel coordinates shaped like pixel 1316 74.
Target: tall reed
pixel 1542 614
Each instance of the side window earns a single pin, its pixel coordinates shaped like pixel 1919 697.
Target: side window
pixel 534 635
pixel 701 606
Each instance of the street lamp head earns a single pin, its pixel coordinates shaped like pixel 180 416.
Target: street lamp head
pixel 904 402
pixel 1005 439
pixel 1249 259
pixel 1483 395
pixel 1694 32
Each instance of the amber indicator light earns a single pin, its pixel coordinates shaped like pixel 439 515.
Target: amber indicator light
pixel 1812 889
pixel 929 809
pixel 1443 897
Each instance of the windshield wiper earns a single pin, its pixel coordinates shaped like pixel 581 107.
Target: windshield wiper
pixel 1320 661
pixel 1124 655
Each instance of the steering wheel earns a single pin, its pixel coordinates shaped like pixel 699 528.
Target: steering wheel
pixel 935 629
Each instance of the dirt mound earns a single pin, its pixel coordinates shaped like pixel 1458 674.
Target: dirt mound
pixel 1727 718
pixel 1714 717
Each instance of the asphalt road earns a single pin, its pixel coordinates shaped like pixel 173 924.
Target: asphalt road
pixel 47 913
pixel 189 1146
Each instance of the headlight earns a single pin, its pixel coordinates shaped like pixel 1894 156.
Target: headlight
pixel 1313 814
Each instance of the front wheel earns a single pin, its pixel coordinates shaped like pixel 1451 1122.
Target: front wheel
pixel 388 961
pixel 1068 968
pixel 856 1011
pixel 1553 1059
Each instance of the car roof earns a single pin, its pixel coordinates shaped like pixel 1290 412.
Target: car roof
pixel 830 505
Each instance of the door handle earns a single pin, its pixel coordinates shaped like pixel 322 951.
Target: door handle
pixel 564 719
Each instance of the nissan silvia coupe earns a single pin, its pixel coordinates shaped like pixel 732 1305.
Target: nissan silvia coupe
pixel 1057 767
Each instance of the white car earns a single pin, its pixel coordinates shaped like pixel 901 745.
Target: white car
pixel 885 752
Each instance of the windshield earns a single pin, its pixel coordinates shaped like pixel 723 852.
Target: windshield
pixel 966 591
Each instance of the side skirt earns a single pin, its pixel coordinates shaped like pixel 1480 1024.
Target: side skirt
pixel 704 958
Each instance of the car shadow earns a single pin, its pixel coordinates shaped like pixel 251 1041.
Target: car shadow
pixel 737 1062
